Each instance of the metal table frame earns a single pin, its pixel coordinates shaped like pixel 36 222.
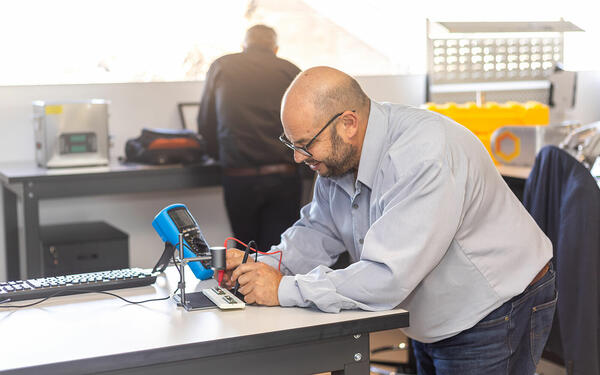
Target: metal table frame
pixel 300 351
pixel 24 185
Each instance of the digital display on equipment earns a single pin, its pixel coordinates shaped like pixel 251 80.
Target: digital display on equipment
pixel 78 138
pixel 77 143
pixel 181 218
pixel 80 148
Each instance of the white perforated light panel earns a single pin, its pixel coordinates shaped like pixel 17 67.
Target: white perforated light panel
pixel 480 59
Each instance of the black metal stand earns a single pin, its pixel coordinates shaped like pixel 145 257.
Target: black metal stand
pixel 189 301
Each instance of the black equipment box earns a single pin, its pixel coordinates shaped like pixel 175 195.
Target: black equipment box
pixel 83 247
pixel 166 146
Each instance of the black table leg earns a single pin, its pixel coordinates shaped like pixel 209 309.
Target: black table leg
pixel 11 233
pixel 31 250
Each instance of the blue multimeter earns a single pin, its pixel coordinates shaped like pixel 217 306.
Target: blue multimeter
pixel 176 219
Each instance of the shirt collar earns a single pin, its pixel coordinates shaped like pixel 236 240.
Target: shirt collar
pixel 258 49
pixel 372 145
pixel 371 151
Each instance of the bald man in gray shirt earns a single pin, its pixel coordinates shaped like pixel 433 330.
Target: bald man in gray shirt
pixel 429 224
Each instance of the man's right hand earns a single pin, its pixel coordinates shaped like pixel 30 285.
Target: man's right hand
pixel 233 258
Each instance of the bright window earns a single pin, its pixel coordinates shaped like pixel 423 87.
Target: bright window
pixel 82 41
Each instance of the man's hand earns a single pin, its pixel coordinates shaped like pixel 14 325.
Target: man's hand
pixel 233 258
pixel 259 283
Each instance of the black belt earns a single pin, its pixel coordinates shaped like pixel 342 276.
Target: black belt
pixel 261 170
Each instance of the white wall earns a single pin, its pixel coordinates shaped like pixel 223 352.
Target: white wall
pixel 134 106
pixel 587 100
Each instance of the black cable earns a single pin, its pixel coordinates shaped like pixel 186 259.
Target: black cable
pixel 178 270
pixel 175 264
pixel 181 283
pixel 81 291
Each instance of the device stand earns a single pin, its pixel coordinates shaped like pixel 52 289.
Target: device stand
pixel 189 301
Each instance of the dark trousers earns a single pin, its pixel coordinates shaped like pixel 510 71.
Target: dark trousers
pixel 509 341
pixel 261 208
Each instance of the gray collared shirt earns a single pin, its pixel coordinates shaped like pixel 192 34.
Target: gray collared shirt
pixel 429 224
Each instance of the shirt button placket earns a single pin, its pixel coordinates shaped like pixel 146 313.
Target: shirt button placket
pixel 355 216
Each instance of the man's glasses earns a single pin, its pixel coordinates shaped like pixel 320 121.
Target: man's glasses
pixel 304 149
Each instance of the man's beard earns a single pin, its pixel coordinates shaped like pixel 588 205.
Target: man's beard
pixel 343 159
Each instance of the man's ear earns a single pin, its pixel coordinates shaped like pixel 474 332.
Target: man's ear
pixel 349 125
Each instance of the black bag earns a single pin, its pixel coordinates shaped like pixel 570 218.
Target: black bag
pixel 166 146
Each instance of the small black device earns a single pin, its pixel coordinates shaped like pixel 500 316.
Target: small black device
pixel 83 247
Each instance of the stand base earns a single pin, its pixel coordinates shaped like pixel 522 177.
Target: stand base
pixel 194 301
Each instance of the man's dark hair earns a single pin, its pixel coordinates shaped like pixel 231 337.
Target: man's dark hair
pixel 261 36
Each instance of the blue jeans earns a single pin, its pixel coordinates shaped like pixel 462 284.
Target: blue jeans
pixel 509 340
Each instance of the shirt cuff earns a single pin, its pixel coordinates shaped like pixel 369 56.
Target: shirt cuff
pixel 288 293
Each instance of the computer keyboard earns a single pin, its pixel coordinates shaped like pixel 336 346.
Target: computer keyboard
pixel 74 284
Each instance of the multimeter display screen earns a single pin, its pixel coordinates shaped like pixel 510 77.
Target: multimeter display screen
pixel 182 218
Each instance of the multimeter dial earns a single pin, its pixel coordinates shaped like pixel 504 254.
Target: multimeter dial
pixel 194 239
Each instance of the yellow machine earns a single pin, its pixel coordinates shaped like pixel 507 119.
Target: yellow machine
pixel 484 119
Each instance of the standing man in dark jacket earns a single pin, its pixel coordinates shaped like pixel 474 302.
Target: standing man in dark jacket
pixel 239 118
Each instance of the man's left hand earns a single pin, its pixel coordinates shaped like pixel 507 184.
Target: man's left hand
pixel 259 283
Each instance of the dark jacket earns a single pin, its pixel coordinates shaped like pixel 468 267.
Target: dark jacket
pixel 564 199
pixel 240 108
